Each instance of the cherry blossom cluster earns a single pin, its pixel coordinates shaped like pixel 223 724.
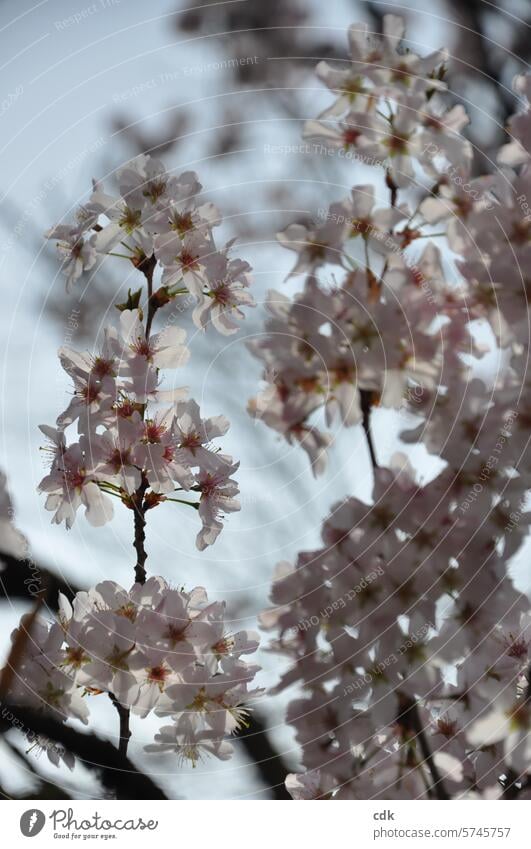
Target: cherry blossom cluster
pixel 127 451
pixel 152 648
pixel 405 632
pixel 378 328
pixel 137 441
pixel 161 217
pixel 329 344
pixel 387 107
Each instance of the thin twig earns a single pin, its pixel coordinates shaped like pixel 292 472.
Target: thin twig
pixel 410 718
pixel 140 533
pixel 365 400
pixel 147 267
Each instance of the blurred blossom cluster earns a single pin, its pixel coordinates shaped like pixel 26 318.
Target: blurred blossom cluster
pixel 416 682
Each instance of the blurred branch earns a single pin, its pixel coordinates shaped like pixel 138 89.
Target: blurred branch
pixel 25 579
pixel 115 772
pixel 269 763
pixel 486 64
pixel 18 649
pixel 125 731
pixel 375 13
pixel 46 789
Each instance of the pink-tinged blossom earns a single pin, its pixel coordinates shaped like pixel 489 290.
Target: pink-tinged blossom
pixel 218 497
pixel 183 212
pixel 114 454
pixel 516 151
pixel 126 444
pixel 162 350
pixel 184 259
pixel 193 435
pixel 159 455
pixel 306 786
pixel 226 292
pixel 78 253
pixel 72 482
pixel 189 743
pixel 317 245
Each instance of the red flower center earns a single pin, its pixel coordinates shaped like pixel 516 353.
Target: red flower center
pixel 350 136
pixel 188 260
pixel 153 431
pixel 158 674
pixel 102 367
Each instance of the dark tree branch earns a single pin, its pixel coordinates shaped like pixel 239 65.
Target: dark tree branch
pixel 269 763
pixel 512 786
pixel 115 771
pixel 46 789
pixel 376 15
pixel 147 267
pixel 26 579
pixel 486 65
pixel 124 715
pixel 125 731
